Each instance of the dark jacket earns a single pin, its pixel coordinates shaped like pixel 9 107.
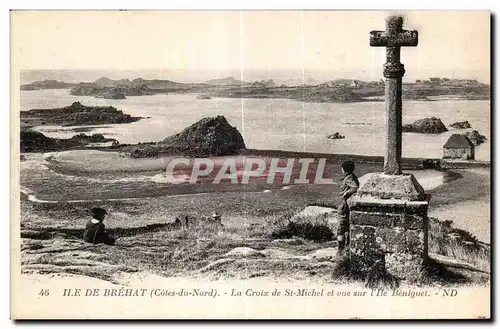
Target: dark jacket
pixel 350 185
pixel 96 233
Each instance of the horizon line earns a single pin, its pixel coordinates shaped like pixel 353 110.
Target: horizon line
pixel 344 75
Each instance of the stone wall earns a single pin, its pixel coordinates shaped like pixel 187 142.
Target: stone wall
pixel 458 153
pixel 393 233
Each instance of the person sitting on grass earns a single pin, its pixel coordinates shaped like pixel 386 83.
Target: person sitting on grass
pixel 95 230
pixel 216 218
pixel 350 185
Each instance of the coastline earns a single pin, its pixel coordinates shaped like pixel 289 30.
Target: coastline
pixel 142 212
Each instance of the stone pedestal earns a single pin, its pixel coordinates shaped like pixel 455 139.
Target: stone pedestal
pixel 389 225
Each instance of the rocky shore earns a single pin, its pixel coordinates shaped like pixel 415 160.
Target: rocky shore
pixel 32 141
pixel 337 90
pixel 319 94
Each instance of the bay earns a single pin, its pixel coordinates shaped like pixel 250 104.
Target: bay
pixel 277 124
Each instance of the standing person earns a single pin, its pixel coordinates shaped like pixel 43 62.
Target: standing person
pixel 350 185
pixel 95 231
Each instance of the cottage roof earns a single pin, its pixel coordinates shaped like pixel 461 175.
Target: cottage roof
pixel 458 141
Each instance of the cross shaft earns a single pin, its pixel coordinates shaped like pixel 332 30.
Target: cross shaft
pixel 393 39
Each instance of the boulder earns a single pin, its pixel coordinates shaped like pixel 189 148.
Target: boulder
pixel 211 136
pixel 336 135
pixel 243 252
pixel 461 125
pixel 32 141
pixel 324 254
pixel 475 137
pixel 426 126
pixel 94 138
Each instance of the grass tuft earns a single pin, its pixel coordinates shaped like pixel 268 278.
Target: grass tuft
pixel 446 240
pixel 290 226
pixel 373 278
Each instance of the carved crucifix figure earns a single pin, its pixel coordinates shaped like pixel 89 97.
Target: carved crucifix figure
pixel 393 39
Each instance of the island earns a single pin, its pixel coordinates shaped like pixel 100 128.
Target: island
pixel 33 141
pixel 47 84
pixel 461 125
pixel 342 90
pixel 75 115
pixel 211 136
pixel 426 126
pixel 336 135
pixel 229 81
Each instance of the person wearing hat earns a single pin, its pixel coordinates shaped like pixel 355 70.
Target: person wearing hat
pixel 216 218
pixel 349 187
pixel 95 230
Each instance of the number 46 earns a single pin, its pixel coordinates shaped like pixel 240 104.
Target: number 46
pixel 44 292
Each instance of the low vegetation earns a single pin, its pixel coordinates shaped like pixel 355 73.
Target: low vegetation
pixel 282 245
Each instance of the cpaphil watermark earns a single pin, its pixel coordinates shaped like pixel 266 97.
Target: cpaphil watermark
pixel 243 170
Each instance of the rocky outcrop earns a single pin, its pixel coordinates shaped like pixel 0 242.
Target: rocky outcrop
pixel 315 94
pixel 336 135
pixel 461 125
pixel 208 137
pixel 203 97
pixel 47 84
pixel 230 81
pixel 33 141
pixel 264 83
pixel 110 83
pixel 84 89
pixel 426 126
pixel 113 93
pixel 475 137
pixel 76 115
pixel 116 92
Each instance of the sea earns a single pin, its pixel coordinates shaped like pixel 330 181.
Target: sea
pixel 266 124
pixel 277 124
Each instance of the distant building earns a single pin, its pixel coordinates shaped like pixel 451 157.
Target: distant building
pixel 458 146
pixel 355 83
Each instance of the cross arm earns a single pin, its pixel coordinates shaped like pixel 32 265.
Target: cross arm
pixel 401 39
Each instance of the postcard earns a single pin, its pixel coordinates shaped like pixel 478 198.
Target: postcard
pixel 250 164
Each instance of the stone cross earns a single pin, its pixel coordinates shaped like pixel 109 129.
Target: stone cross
pixel 393 39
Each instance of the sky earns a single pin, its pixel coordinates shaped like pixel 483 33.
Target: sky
pixel 313 43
